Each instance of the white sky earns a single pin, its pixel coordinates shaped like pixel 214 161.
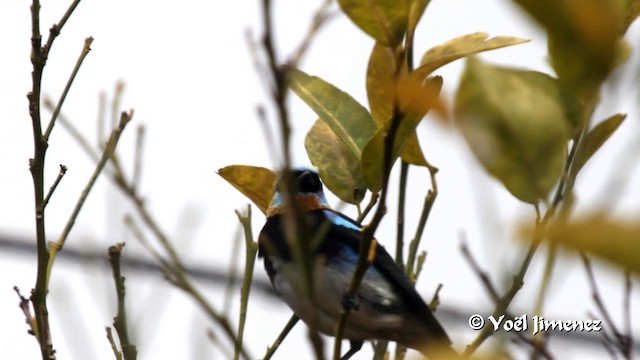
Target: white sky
pixel 190 79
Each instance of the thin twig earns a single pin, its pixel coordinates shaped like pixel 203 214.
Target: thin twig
pixel 115 103
pixel 504 301
pixel 24 306
pixel 367 246
pixel 422 257
pixel 137 159
pixel 54 116
pixel 320 18
pixel 484 277
pixel 402 195
pixel 55 30
pixel 435 300
pixel 178 277
pixel 627 311
pixel 232 272
pixel 539 339
pixel 106 154
pixel 102 111
pixel 595 293
pixel 173 269
pixel 129 350
pixel 251 249
pixel 429 200
pixel 73 131
pixel 112 341
pixel 283 334
pixel 373 200
pixel 621 340
pixel 266 131
pixel 294 226
pixel 63 170
pixel 538 347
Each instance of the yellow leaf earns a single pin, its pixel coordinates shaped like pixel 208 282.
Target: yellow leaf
pixel 615 240
pixel 256 183
pixel 462 46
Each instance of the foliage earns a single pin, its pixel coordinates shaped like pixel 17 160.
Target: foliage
pixel 530 130
pixel 533 132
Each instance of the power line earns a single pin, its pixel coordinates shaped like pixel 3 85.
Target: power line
pixel 449 314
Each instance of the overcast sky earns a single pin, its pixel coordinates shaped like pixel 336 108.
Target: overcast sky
pixel 189 76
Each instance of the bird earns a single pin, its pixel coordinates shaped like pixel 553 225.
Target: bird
pixel 386 305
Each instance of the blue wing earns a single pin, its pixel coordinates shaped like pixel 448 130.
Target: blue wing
pixel 348 231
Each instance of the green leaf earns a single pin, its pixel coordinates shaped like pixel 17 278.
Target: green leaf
pixel 616 240
pixel 347 118
pixel 384 20
pixel 462 46
pixel 516 127
pixel 256 183
pixel 339 168
pixel 583 36
pixel 595 139
pixel 416 99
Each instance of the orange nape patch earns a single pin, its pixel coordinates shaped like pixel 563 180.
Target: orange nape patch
pixel 305 202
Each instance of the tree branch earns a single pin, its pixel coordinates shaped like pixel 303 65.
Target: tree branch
pixel 129 350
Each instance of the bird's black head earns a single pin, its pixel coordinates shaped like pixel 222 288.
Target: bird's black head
pixel 306 181
pixel 307 188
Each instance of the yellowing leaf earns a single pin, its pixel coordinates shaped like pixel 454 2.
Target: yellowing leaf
pixel 416 95
pixel 380 82
pixel 595 139
pixel 416 105
pixel 345 116
pixel 256 183
pixel 384 20
pixel 462 46
pixel 615 240
pixel 412 152
pixel 382 91
pixel 339 168
pixel 515 124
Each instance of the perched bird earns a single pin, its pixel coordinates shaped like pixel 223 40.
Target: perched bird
pixel 386 305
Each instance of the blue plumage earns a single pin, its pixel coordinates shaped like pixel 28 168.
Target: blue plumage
pixel 387 306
